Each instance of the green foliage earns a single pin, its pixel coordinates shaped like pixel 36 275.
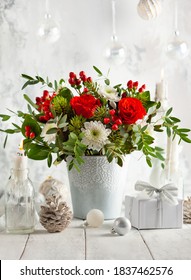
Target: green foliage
pixel 60 105
pixel 76 123
pixel 75 148
pixel 64 139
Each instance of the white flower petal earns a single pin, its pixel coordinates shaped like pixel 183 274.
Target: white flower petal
pixel 95 135
pixel 49 138
pixel 109 93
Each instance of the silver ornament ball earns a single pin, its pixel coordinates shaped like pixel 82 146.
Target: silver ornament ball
pixel 121 226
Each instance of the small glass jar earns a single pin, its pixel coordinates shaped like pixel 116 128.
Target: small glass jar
pixel 19 203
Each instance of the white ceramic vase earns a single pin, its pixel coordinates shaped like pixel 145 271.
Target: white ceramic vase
pixel 98 185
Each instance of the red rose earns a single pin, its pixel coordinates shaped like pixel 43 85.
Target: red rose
pixel 85 105
pixel 131 109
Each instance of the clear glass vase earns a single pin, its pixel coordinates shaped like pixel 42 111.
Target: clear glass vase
pixel 19 203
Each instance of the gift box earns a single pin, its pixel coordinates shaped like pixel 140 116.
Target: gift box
pixel 153 213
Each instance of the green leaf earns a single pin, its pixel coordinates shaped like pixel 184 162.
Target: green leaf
pixel 5 141
pixel 52 130
pixel 10 131
pixel 183 130
pixel 27 98
pixel 4 117
pixel 185 139
pixel 148 160
pixel 37 152
pixel 107 82
pixel 169 111
pixel 159 156
pixel 49 160
pixel 168 131
pixel 66 93
pixel 27 77
pixel 97 70
pixel 175 120
pixel 55 85
pixel 35 127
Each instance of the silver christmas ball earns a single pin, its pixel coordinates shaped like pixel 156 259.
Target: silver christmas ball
pixel 121 226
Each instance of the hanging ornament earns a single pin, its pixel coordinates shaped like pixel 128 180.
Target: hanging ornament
pixel 121 226
pixel 55 215
pixel 149 9
pixel 53 186
pixel 94 218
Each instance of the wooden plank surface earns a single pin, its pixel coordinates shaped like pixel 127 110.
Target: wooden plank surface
pixel 66 245
pixel 172 244
pixel 77 242
pixel 12 246
pixel 102 245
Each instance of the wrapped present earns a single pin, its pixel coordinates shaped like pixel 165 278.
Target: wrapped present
pixel 157 208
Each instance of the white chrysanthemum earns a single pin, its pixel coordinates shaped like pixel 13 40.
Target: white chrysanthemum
pixel 49 138
pixel 109 93
pixel 95 135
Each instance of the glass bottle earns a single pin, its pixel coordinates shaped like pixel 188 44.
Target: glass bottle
pixel 19 203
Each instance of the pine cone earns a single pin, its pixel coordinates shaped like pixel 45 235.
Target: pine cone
pixel 55 216
pixel 187 211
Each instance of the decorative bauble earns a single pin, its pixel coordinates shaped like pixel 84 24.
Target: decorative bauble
pixel 149 9
pixel 187 211
pixel 95 218
pixel 121 226
pixel 53 186
pixel 55 215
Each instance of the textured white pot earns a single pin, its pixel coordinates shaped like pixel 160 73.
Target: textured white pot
pixel 99 184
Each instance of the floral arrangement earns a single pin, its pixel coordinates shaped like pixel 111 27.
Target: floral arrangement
pixel 91 118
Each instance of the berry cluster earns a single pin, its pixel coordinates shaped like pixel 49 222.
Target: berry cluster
pixel 113 119
pixel 134 85
pixel 76 82
pixel 29 133
pixel 43 104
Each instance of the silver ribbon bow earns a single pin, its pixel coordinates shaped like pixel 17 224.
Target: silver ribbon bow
pixel 168 192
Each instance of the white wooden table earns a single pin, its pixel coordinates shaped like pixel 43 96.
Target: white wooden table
pixel 79 243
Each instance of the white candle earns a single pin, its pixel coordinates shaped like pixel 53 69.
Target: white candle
pixel 161 88
pixel 20 164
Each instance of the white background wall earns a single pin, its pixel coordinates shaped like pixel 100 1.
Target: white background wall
pixel 86 28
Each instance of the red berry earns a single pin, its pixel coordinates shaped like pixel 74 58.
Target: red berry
pixel 144 86
pixel 124 95
pixel 114 127
pixel 42 119
pixel 106 120
pixel 32 135
pixel 72 81
pixel 89 80
pixel 130 84
pixel 82 74
pixel 27 134
pixel 72 75
pixel 83 78
pixel 45 94
pixel 141 89
pixel 135 84
pixel 112 112
pixel 78 82
pixel 114 117
pixel 118 121
pixel 85 90
pixel 27 128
